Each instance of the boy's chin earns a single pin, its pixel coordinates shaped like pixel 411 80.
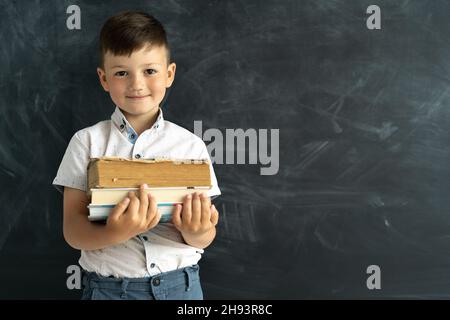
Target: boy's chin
pixel 138 110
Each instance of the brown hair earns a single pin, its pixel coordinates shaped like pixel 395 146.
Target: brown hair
pixel 131 31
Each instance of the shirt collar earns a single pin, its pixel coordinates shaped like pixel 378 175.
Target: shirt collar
pixel 127 130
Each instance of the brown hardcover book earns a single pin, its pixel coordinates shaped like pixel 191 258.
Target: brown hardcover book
pixel 114 172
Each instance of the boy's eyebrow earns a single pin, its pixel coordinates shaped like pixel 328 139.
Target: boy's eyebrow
pixel 146 64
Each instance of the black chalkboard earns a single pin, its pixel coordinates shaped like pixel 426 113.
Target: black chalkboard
pixel 364 140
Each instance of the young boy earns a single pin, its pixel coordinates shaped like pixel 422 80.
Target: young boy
pixel 132 256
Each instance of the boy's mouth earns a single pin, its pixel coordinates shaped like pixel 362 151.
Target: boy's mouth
pixel 138 97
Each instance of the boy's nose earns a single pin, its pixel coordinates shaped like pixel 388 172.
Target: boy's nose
pixel 136 84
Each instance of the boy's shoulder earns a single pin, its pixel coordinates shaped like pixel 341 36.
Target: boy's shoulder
pixel 100 128
pixel 179 131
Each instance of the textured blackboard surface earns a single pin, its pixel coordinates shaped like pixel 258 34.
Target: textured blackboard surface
pixel 364 141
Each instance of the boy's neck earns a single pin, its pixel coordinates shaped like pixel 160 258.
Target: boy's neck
pixel 140 123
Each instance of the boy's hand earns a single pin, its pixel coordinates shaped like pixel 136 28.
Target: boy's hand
pixel 133 215
pixel 197 216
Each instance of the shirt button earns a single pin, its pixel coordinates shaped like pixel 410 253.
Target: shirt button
pixel 145 238
pixel 138 156
pixel 132 136
pixel 156 282
pixel 152 265
pixel 121 126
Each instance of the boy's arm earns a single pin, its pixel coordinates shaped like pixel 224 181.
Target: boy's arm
pixel 200 240
pixel 78 231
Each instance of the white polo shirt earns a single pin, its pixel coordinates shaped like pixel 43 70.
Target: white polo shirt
pixel 162 248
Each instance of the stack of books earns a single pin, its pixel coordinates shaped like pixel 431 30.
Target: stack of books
pixel 169 180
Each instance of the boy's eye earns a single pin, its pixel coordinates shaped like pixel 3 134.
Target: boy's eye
pixel 124 73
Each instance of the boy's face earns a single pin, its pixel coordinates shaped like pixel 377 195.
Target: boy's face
pixel 137 84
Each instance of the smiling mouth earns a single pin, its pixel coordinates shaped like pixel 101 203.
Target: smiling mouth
pixel 137 97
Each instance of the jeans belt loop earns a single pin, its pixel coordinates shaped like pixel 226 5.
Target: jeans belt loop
pixel 124 287
pixel 189 279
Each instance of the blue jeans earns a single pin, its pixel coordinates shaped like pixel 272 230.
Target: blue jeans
pixel 180 284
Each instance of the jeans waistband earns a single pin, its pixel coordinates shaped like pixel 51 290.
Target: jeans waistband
pixel 167 279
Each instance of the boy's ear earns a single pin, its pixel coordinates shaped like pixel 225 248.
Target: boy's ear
pixel 170 74
pixel 102 76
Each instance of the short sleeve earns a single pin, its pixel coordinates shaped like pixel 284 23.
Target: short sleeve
pixel 72 171
pixel 214 192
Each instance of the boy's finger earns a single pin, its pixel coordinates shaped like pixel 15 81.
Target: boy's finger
pixel 152 207
pixel 205 196
pixel 155 220
pixel 143 200
pixel 176 216
pixel 186 213
pixel 133 207
pixel 119 209
pixel 196 209
pixel 214 215
pixel 206 209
